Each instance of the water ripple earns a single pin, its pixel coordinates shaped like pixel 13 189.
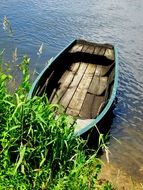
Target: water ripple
pixel 56 22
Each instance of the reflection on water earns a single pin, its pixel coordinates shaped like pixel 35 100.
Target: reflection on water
pixel 55 23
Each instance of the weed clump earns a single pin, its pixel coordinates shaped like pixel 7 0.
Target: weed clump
pixel 38 149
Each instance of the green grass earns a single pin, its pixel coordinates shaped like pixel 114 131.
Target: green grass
pixel 38 149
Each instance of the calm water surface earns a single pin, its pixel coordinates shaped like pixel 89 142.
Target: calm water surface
pixel 57 22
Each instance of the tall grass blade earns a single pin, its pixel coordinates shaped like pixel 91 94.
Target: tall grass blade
pixel 22 152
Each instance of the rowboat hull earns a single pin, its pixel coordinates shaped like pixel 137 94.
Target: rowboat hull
pixel 83 79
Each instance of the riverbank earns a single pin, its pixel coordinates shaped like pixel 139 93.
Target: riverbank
pixel 38 149
pixel 119 179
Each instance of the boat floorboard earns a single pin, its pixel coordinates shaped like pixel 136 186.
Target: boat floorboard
pixel 82 89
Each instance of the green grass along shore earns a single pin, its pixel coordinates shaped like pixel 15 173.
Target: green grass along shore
pixel 37 147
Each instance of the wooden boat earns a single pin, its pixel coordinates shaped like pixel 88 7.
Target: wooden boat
pixel 83 79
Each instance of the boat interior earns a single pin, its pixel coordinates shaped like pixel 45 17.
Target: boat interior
pixel 81 79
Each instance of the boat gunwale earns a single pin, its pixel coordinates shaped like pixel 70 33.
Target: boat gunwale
pixel 94 121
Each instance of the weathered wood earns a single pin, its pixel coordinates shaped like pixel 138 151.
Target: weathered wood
pixel 66 79
pixel 79 74
pixel 87 77
pixel 90 49
pixel 94 85
pixel 110 90
pixel 76 48
pixel 85 47
pixel 111 76
pixel 107 69
pixel 97 50
pixel 79 49
pixel 85 82
pixel 96 105
pixel 98 70
pixel 102 51
pixel 72 112
pixel 42 89
pixel 109 86
pixel 57 95
pixel 98 85
pixel 63 84
pixel 109 53
pixel 86 108
pixel 81 79
pixel 81 90
pixel 104 70
pixel 78 99
pixel 72 88
pixel 102 85
pixel 74 67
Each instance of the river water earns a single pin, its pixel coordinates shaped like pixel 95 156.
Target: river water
pixel 55 23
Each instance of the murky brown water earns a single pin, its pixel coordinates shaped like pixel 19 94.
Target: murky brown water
pixel 56 22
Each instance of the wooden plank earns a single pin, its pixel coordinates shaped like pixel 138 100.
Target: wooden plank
pixel 64 83
pixel 71 89
pixel 67 96
pixel 81 90
pixel 94 85
pixel 66 79
pixel 86 108
pixel 72 112
pixel 57 95
pixel 112 76
pixel 79 74
pixel 78 99
pixel 90 69
pixel 98 85
pixel 85 47
pixel 74 67
pixel 87 77
pixel 90 49
pixel 79 49
pixel 85 82
pixel 76 48
pixel 97 50
pixel 97 105
pixel 98 70
pixel 102 85
pixel 110 83
pixel 102 51
pixel 80 93
pixel 109 53
pixel 41 90
pixel 106 69
pixel 91 106
pixel 110 90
